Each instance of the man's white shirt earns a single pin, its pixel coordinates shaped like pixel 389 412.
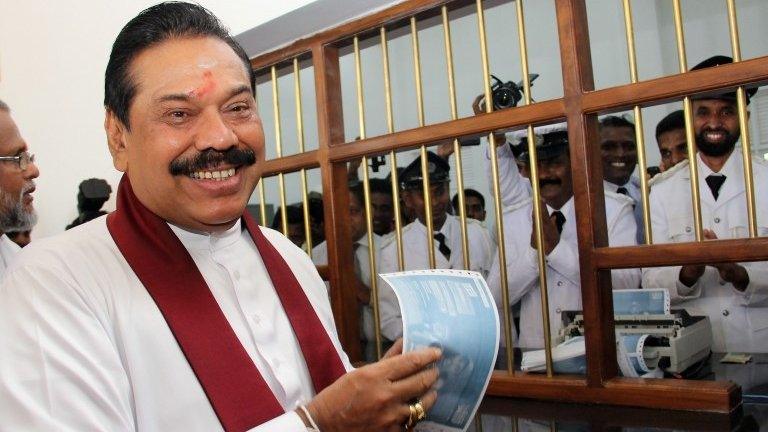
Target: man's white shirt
pixel 739 319
pixel 84 347
pixel 8 251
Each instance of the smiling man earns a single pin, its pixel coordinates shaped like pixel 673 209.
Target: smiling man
pixel 619 153
pixel 733 295
pixel 177 312
pixel 560 242
pixel 17 174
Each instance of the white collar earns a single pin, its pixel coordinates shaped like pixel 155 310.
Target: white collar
pixel 195 240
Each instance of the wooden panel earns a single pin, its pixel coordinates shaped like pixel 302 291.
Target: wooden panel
pixel 712 396
pixel 675 87
pixel 291 163
pixel 336 200
pixel 736 250
pixel 477 125
pixel 586 167
pixel 596 416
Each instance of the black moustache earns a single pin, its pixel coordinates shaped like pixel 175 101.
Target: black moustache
pixel 211 158
pixel 553 182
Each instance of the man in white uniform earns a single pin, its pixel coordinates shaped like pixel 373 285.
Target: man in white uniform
pixel 446 240
pixel 619 152
pixel 733 295
pixel 560 243
pixel 362 267
pixel 177 312
pixel 17 172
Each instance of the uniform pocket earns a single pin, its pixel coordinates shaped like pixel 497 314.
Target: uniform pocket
pixel 681 229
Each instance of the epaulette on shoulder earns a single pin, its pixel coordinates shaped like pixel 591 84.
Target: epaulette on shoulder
pixel 658 178
pixel 519 204
pixel 620 197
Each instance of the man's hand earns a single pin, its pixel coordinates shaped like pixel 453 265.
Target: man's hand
pixel 729 272
pixel 551 236
pixel 376 397
pixel 478 107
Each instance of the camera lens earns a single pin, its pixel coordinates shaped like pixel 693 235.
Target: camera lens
pixel 503 98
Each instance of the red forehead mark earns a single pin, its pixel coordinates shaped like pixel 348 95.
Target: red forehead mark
pixel 208 85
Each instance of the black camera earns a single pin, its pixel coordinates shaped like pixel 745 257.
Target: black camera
pixel 508 94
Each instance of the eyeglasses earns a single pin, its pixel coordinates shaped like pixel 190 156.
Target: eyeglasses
pixel 23 159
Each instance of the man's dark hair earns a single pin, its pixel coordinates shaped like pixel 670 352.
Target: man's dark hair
pixel 468 193
pixel 616 122
pixel 4 107
pixel 673 121
pixel 152 26
pixel 294 214
pixel 382 186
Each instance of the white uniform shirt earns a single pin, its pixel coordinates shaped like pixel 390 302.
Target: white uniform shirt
pixel 84 347
pixel 8 251
pixel 416 257
pixel 739 319
pixel 634 192
pixel 562 265
pixel 320 257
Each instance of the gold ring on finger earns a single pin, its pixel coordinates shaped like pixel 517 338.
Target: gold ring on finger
pixel 412 417
pixel 421 413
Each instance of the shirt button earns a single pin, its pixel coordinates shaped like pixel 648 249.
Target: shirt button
pixel 558 310
pixel 717 220
pixel 688 229
pixel 256 320
pixel 559 283
pixel 725 312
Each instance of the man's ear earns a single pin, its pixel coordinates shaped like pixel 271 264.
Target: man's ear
pixel 116 139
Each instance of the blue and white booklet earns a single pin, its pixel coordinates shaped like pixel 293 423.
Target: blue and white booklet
pixel 452 310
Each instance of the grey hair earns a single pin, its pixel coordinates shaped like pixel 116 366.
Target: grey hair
pixel 4 106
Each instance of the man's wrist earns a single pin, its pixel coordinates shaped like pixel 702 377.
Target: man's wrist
pixel 306 417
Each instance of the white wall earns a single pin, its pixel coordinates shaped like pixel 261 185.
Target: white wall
pixel 52 60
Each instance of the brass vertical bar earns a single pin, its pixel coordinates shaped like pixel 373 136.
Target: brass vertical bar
pixel 456 145
pixel 639 135
pixel 522 42
pixel 746 145
pixel 496 190
pixel 279 149
pixel 300 137
pixel 690 135
pixel 262 203
pixel 534 171
pixel 392 155
pixel 424 163
pixel 367 198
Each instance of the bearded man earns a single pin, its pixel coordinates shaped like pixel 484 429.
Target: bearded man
pixel 733 295
pixel 17 174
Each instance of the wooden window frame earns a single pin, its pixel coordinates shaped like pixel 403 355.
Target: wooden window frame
pixel 579 106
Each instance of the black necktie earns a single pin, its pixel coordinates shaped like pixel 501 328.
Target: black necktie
pixel 442 247
pixel 715 182
pixel 559 220
pixel 622 190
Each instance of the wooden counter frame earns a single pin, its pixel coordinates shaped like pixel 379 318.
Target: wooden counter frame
pixel 579 106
